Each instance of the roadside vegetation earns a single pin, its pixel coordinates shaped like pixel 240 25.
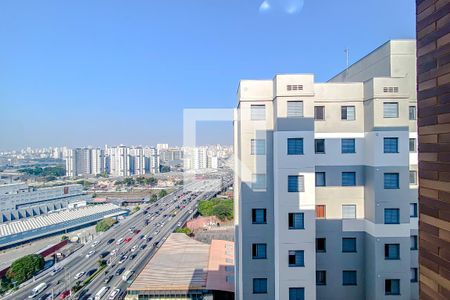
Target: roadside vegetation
pixel 138 181
pixel 105 224
pixel 21 270
pixel 183 230
pixel 56 171
pixel 221 208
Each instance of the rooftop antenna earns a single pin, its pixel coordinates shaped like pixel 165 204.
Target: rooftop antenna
pixel 346 50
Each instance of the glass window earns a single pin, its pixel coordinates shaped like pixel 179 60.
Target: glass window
pixel 296 221
pixel 392 286
pixel 294 109
pixel 412 177
pixel 391 251
pixel 296 258
pixel 259 181
pixel 391 181
pixel 259 216
pixel 320 211
pixel 413 274
pixel 296 183
pixel 258 112
pixel 348 113
pixel 321 245
pixel 412 113
pixel 296 293
pixel 294 146
pixel 348 178
pixel 319 113
pixel 413 210
pixel 391 216
pixel 320 179
pixel 349 277
pixel 390 109
pixel 259 285
pixel 259 251
pixel 390 145
pixel 258 147
pixel 348 211
pixel 412 145
pixel 321 277
pixel 348 146
pixel 413 242
pixel 319 146
pixel 348 244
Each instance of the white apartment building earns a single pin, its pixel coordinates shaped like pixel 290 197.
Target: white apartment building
pixel 137 161
pixel 119 162
pixel 326 182
pixel 152 160
pixel 84 161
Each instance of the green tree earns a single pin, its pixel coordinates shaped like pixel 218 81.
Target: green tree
pixel 104 224
pixel 136 208
pixel 183 230
pixel 153 198
pixel 24 268
pixel 128 181
pixel 221 208
pixel 162 193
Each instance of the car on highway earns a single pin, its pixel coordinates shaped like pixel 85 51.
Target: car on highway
pixel 136 231
pixel 127 240
pixel 110 241
pixel 90 253
pixel 56 269
pixel 103 254
pixel 119 271
pixel 114 294
pixel 133 256
pixel 143 246
pixel 114 252
pixel 119 241
pixel 108 279
pixel 79 275
pixel 101 293
pixel 134 248
pixel 95 244
pixel 156 232
pixel 64 295
pixel 123 259
pixel 90 272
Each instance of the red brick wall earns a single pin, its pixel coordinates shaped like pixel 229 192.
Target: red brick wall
pixel 433 72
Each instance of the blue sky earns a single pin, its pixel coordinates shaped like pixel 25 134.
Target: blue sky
pixel 107 72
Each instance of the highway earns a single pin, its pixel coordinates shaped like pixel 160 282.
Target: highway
pixel 131 255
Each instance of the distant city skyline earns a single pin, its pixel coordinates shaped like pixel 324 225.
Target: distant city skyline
pixel 107 71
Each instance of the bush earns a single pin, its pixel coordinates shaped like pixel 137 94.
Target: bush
pixel 162 193
pixel 105 224
pixel 221 208
pixel 183 230
pixel 24 268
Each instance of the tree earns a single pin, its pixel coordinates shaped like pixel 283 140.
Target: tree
pixel 221 208
pixel 222 211
pixel 183 230
pixel 64 237
pixel 162 193
pixel 153 198
pixel 128 181
pixel 105 224
pixel 24 268
pixel 136 208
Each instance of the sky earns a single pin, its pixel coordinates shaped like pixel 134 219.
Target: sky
pixel 85 72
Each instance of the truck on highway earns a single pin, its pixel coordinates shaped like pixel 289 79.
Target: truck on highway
pixel 127 275
pixel 101 293
pixel 38 289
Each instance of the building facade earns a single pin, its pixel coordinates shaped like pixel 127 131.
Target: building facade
pixel 326 182
pixel 433 82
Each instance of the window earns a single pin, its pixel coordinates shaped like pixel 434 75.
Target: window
pixel 296 293
pixel 258 112
pixel 348 113
pixel 348 178
pixel 296 221
pixel 294 109
pixel 391 216
pixel 294 87
pixel 392 287
pixel 294 146
pixel 319 146
pixel 348 245
pixel 348 146
pixel 349 277
pixel 391 251
pixel 259 285
pixel 348 211
pixel 320 179
pixel 390 145
pixel 259 251
pixel 390 89
pixel 259 181
pixel 413 242
pixel 413 274
pixel 391 181
pixel 296 258
pixel 320 211
pixel 321 245
pixel 412 145
pixel 413 210
pixel 412 177
pixel 259 216
pixel 390 109
pixel 412 113
pixel 296 183
pixel 321 277
pixel 258 147
pixel 319 113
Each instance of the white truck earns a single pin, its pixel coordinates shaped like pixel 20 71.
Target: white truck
pixel 127 275
pixel 101 293
pixel 38 289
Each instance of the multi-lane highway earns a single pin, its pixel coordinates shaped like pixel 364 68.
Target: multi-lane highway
pixel 127 246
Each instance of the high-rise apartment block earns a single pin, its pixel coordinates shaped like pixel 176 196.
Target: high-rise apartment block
pixel 326 182
pixel 84 161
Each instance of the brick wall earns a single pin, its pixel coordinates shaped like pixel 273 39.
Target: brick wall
pixel 433 72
